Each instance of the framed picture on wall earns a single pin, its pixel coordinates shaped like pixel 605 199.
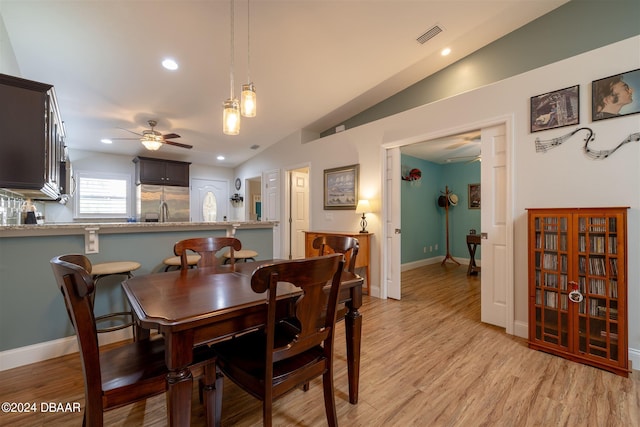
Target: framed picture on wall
pixel 555 109
pixel 474 196
pixel 341 187
pixel 613 96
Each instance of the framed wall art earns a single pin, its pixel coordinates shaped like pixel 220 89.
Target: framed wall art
pixel 474 196
pixel 613 96
pixel 555 109
pixel 341 187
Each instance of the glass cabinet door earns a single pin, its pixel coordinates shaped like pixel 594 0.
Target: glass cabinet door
pixel 597 275
pixel 550 257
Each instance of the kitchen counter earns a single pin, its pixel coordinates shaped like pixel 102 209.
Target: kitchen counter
pixel 33 320
pixel 60 229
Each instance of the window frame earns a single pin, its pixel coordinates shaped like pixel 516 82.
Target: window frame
pixel 108 176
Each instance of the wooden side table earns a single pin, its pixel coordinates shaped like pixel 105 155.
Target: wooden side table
pixel 363 260
pixel 473 240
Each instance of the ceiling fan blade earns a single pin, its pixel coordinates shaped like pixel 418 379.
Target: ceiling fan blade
pixel 171 136
pixel 125 139
pixel 130 131
pixel 177 144
pixel 456 145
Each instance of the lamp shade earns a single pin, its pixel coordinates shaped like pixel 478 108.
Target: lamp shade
pixel 151 142
pixel 248 100
pixel 231 117
pixel 363 206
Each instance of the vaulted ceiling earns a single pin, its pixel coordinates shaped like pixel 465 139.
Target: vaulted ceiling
pixel 315 63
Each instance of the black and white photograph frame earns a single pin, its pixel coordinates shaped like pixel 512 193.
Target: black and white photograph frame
pixel 341 187
pixel 474 196
pixel 613 96
pixel 555 109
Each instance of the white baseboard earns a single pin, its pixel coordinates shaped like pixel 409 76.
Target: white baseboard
pixel 48 350
pixel 415 264
pixel 634 359
pixel 521 329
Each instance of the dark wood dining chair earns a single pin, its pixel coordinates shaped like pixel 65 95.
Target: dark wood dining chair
pixel 207 248
pixel 333 243
pixel 128 373
pixel 289 351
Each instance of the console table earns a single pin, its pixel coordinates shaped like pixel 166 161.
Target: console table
pixel 473 240
pixel 364 251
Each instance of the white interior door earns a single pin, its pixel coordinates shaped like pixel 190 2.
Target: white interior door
pixel 271 206
pixel 209 200
pixel 299 212
pixel 392 236
pixel 494 220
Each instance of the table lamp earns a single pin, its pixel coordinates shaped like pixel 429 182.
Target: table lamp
pixel 363 207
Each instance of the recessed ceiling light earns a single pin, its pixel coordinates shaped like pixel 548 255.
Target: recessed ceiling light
pixel 446 51
pixel 106 141
pixel 170 64
pixel 220 157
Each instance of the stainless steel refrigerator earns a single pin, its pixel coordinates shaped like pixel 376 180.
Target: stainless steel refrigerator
pixel 162 203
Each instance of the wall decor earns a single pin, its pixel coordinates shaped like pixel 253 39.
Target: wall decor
pixel 555 109
pixel 613 96
pixel 542 146
pixel 341 187
pixel 474 196
pixel 414 175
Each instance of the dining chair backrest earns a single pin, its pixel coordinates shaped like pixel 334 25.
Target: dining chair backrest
pixel 128 373
pixel 333 243
pixel 315 312
pixel 72 273
pixel 207 247
pixel 298 347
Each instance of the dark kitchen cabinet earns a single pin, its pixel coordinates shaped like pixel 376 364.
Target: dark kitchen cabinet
pixel 31 138
pixel 161 172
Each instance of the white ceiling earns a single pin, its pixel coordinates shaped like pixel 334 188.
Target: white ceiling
pixel 315 63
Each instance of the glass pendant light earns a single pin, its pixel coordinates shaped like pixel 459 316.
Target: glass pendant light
pixel 231 114
pixel 248 97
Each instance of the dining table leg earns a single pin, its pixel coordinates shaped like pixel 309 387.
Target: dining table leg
pixel 353 333
pixel 179 379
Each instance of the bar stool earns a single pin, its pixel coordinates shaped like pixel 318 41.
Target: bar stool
pixel 174 261
pixel 243 254
pixel 102 270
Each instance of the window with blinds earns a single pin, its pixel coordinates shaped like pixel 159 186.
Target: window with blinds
pixel 102 195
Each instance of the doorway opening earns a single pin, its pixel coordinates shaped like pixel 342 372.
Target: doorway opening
pixel 297 211
pixel 496 221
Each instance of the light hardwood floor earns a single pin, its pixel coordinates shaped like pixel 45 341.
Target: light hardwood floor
pixel 426 361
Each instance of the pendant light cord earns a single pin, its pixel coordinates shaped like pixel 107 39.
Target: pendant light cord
pixel 248 41
pixel 231 49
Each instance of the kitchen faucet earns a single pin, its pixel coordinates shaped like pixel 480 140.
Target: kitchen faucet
pixel 164 211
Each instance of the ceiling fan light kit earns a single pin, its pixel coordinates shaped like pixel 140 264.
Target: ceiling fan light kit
pixel 151 142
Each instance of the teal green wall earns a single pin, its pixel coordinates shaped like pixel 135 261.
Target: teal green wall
pixel 31 307
pixel 573 28
pixel 424 222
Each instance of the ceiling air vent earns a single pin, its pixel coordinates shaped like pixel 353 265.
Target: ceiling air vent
pixel 431 33
pixel 254 147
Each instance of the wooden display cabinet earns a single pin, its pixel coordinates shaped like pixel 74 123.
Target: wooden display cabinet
pixel 578 285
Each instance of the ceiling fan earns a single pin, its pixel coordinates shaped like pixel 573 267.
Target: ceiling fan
pixel 153 140
pixel 470 159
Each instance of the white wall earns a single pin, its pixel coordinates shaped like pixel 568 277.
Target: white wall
pixel 8 63
pixel 562 177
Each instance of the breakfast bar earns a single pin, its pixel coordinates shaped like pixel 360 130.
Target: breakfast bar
pixel 27 280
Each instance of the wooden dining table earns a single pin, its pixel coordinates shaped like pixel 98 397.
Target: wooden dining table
pixel 201 305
